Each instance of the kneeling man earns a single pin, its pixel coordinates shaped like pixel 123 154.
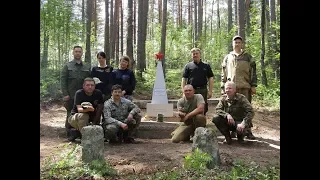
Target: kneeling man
pixel 191 112
pixel 87 107
pixel 121 117
pixel 233 113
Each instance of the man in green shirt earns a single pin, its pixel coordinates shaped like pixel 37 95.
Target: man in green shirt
pixel 191 111
pixel 72 76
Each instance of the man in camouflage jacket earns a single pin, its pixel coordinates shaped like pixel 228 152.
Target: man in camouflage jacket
pixel 239 67
pixel 233 113
pixel 121 117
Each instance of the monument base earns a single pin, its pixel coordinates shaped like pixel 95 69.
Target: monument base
pixel 154 109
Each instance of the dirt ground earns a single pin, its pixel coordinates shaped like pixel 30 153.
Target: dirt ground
pixel 150 155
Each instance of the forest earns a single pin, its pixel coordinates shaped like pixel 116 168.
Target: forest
pixel 140 29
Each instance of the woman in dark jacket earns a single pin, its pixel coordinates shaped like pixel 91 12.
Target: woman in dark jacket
pixel 102 76
pixel 125 77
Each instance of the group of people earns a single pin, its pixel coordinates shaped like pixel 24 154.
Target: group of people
pixel 103 91
pixel 100 95
pixel 234 112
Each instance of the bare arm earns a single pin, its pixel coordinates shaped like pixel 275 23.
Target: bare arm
pixel 183 83
pixel 84 110
pixel 198 110
pixel 210 87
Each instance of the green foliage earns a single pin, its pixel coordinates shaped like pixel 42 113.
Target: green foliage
pixel 269 96
pixel 197 161
pixel 101 168
pixel 167 175
pixel 252 172
pixel 239 170
pixel 61 23
pixel 68 165
pixel 49 84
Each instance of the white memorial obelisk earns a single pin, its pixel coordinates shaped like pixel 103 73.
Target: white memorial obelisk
pixel 159 103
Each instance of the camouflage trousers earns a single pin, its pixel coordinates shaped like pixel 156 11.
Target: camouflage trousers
pixel 79 120
pixel 187 128
pixel 112 131
pixel 247 93
pixel 204 93
pixel 225 128
pixel 68 105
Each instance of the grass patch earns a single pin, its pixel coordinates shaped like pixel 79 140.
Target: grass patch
pixel 68 165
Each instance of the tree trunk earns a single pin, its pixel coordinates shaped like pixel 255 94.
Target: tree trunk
pixel 106 33
pixel 88 37
pixel 142 28
pixel 59 50
pixel 211 22
pixel 130 33
pixel 116 30
pixel 218 16
pixel 121 26
pixel 248 24
pixel 152 20
pixel 95 18
pixel 229 22
pixel 275 63
pixel 134 22
pixel 160 10
pixel 83 18
pixel 163 36
pixel 268 58
pixel 241 20
pixel 189 12
pixel 44 59
pixel 200 19
pixel 205 25
pixel 173 10
pixel 191 21
pixel 195 34
pixel 218 28
pixel 235 4
pixel 112 31
pixel 263 23
pixel 179 13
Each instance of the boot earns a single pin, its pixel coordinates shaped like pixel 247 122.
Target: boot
pixel 227 136
pixel 240 137
pixel 73 134
pixel 233 134
pixel 228 140
pixel 250 135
